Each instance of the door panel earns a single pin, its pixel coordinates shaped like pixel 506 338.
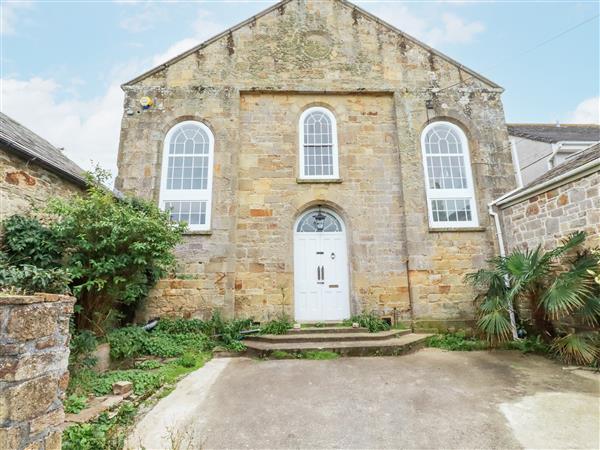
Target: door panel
pixel 320 276
pixel 335 298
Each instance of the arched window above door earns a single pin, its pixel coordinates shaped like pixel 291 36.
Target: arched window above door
pixel 318 144
pixel 319 222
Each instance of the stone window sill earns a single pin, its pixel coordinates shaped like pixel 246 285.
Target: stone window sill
pixel 318 180
pixel 198 233
pixel 457 229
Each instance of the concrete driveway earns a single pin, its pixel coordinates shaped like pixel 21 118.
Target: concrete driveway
pixel 430 399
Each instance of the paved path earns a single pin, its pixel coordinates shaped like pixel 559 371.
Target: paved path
pixel 430 399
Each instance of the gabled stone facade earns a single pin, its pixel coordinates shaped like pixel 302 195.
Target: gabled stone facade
pixel 249 86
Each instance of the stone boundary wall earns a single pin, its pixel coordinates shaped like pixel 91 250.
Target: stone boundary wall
pixel 34 355
pixel 548 217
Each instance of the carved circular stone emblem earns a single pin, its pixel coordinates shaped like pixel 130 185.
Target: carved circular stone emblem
pixel 317 45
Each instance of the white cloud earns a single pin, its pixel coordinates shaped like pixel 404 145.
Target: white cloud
pixel 588 111
pixel 444 28
pixel 204 27
pixel 141 21
pixel 88 130
pixel 174 50
pixel 9 13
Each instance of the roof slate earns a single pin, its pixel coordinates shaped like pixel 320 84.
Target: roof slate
pixel 24 142
pixel 552 133
pixel 579 159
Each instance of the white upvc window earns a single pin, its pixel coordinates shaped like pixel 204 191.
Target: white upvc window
pixel 318 144
pixel 187 171
pixel 448 177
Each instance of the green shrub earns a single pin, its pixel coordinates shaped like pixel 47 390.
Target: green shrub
pixel 144 381
pixel 187 360
pixel 558 286
pixel 130 342
pixel 115 248
pixel 109 250
pixel 127 342
pixel 75 403
pixel 180 326
pixel 148 364
pixel 281 325
pixel 104 433
pixel 529 345
pixel 370 321
pixel 28 279
pixel 27 242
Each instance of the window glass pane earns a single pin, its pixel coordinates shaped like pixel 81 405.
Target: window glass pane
pixel 192 213
pixel 451 210
pixel 187 172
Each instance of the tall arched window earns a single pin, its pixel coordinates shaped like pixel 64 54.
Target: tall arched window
pixel 449 180
pixel 318 144
pixel 186 181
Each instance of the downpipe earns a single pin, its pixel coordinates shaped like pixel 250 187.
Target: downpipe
pixel 500 237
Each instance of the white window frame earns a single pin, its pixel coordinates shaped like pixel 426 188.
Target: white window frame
pixel 450 194
pixel 174 195
pixel 336 170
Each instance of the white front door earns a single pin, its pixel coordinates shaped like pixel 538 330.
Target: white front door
pixel 320 268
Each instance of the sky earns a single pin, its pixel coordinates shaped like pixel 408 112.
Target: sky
pixel 62 62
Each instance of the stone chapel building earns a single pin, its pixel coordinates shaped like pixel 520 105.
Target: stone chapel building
pixel 326 162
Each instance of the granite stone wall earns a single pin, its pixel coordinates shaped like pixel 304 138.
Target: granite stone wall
pixel 34 354
pixel 548 217
pixel 24 186
pixel 250 87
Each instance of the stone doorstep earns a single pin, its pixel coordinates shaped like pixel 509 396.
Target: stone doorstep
pixel 309 330
pixel 96 406
pixel 328 337
pixel 388 347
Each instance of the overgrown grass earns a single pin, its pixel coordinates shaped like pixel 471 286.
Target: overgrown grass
pixel 370 321
pixel 320 354
pixel 104 433
pixel 145 380
pixel 315 354
pixel 461 342
pixel 457 342
pixel 280 325
pixel 75 403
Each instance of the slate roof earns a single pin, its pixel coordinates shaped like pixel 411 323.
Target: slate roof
pixel 278 6
pixel 551 133
pixel 25 143
pixel 578 160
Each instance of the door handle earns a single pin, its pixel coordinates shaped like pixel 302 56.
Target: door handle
pixel 322 273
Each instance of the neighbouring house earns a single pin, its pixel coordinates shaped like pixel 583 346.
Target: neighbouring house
pixel 539 147
pixel 563 200
pixel 32 170
pixel 326 162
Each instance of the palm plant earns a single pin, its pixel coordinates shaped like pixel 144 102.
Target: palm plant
pixel 557 284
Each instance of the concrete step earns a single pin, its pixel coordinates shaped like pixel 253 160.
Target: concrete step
pixel 327 336
pixel 388 347
pixel 320 330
